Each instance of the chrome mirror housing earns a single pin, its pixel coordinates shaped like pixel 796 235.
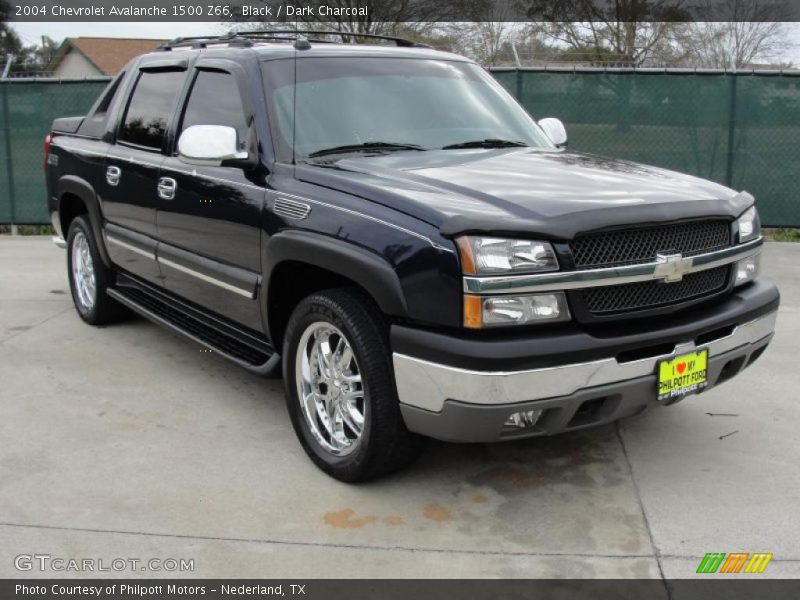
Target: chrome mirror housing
pixel 555 130
pixel 209 145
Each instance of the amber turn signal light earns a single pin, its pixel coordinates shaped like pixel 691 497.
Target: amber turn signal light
pixel 467 257
pixel 472 312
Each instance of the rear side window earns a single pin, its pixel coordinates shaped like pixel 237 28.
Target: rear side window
pixel 150 108
pixel 215 100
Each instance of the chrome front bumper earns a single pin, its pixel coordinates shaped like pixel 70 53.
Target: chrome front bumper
pixel 427 385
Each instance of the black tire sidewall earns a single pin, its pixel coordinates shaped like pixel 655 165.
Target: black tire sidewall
pixel 325 308
pixel 100 311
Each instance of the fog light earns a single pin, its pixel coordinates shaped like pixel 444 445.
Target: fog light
pixel 515 310
pixel 747 270
pixel 524 420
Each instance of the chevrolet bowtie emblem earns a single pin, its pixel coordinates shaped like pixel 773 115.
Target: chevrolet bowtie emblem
pixel 672 267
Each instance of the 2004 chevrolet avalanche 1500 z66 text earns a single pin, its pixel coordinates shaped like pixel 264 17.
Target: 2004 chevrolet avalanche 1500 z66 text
pixel 386 223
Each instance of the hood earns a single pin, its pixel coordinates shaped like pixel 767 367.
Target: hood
pixel 554 194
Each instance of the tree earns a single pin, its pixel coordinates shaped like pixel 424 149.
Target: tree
pixel 743 31
pixel 485 30
pixel 385 17
pixel 624 32
pixel 35 59
pixel 9 40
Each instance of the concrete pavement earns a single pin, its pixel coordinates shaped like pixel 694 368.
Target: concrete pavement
pixel 128 442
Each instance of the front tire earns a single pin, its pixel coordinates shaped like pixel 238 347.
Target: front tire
pixel 340 389
pixel 89 278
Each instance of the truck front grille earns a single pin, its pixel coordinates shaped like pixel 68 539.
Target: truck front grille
pixel 642 245
pixel 654 294
pixel 636 246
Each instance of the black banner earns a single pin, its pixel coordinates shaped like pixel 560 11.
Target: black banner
pixel 376 11
pixel 357 589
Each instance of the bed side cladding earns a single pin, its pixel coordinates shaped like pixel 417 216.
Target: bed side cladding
pixel 72 190
pixel 413 281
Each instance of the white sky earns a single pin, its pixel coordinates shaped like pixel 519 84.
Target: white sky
pixel 31 32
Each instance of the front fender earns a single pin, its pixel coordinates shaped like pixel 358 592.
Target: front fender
pixel 365 268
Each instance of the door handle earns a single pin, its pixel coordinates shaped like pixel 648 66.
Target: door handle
pixel 112 175
pixel 166 188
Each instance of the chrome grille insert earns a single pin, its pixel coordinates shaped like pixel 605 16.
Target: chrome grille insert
pixel 653 294
pixel 635 246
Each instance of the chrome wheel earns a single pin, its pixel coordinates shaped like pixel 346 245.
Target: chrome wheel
pixel 330 389
pixel 83 272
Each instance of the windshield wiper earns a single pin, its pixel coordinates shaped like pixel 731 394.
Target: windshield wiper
pixel 487 143
pixel 365 147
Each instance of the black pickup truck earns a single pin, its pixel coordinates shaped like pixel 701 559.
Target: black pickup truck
pixel 387 225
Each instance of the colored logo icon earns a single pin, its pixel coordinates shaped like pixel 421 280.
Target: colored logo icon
pixel 734 562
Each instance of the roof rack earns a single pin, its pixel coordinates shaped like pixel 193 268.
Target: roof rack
pixel 244 38
pixel 343 34
pixel 199 42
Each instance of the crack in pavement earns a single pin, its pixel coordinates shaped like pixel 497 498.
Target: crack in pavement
pixel 359 546
pixel 324 544
pixel 642 509
pixel 35 325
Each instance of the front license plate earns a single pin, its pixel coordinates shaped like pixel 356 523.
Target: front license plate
pixel 682 375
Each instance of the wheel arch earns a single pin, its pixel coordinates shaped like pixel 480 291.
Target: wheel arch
pixel 311 262
pixel 76 196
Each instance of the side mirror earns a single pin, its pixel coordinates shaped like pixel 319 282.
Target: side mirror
pixel 209 145
pixel 555 130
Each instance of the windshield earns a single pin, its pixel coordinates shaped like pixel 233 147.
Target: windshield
pixel 345 105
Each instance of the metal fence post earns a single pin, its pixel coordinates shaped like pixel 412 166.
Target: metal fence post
pixel 731 130
pixel 9 158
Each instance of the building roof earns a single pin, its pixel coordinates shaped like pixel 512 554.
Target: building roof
pixel 109 55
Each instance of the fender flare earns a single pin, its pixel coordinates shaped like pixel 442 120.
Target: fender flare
pixel 71 184
pixel 365 268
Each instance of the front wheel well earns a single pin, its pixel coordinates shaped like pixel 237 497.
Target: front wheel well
pixel 290 282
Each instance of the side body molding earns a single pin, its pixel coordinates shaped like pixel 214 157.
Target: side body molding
pixel 71 184
pixel 367 269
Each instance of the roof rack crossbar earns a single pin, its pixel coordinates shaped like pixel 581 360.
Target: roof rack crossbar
pixel 203 41
pixel 244 38
pixel 343 34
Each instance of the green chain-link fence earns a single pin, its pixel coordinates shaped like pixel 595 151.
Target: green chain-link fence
pixel 741 130
pixel 27 109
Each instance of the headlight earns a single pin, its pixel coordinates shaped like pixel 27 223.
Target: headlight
pixel 498 256
pixel 496 311
pixel 749 225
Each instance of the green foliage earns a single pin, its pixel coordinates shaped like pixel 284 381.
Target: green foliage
pixel 782 235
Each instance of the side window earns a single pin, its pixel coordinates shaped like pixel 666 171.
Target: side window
pixel 150 108
pixel 215 100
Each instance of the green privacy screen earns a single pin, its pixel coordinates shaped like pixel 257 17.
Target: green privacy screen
pixel 741 130
pixel 27 109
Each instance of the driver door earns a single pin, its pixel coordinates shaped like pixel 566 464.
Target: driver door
pixel 209 218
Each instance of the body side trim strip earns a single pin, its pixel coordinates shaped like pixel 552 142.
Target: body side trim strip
pixel 118 242
pixel 206 278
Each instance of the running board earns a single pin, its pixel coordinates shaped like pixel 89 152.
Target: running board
pixel 243 347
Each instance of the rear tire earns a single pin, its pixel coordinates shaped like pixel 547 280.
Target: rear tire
pixel 340 388
pixel 89 278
